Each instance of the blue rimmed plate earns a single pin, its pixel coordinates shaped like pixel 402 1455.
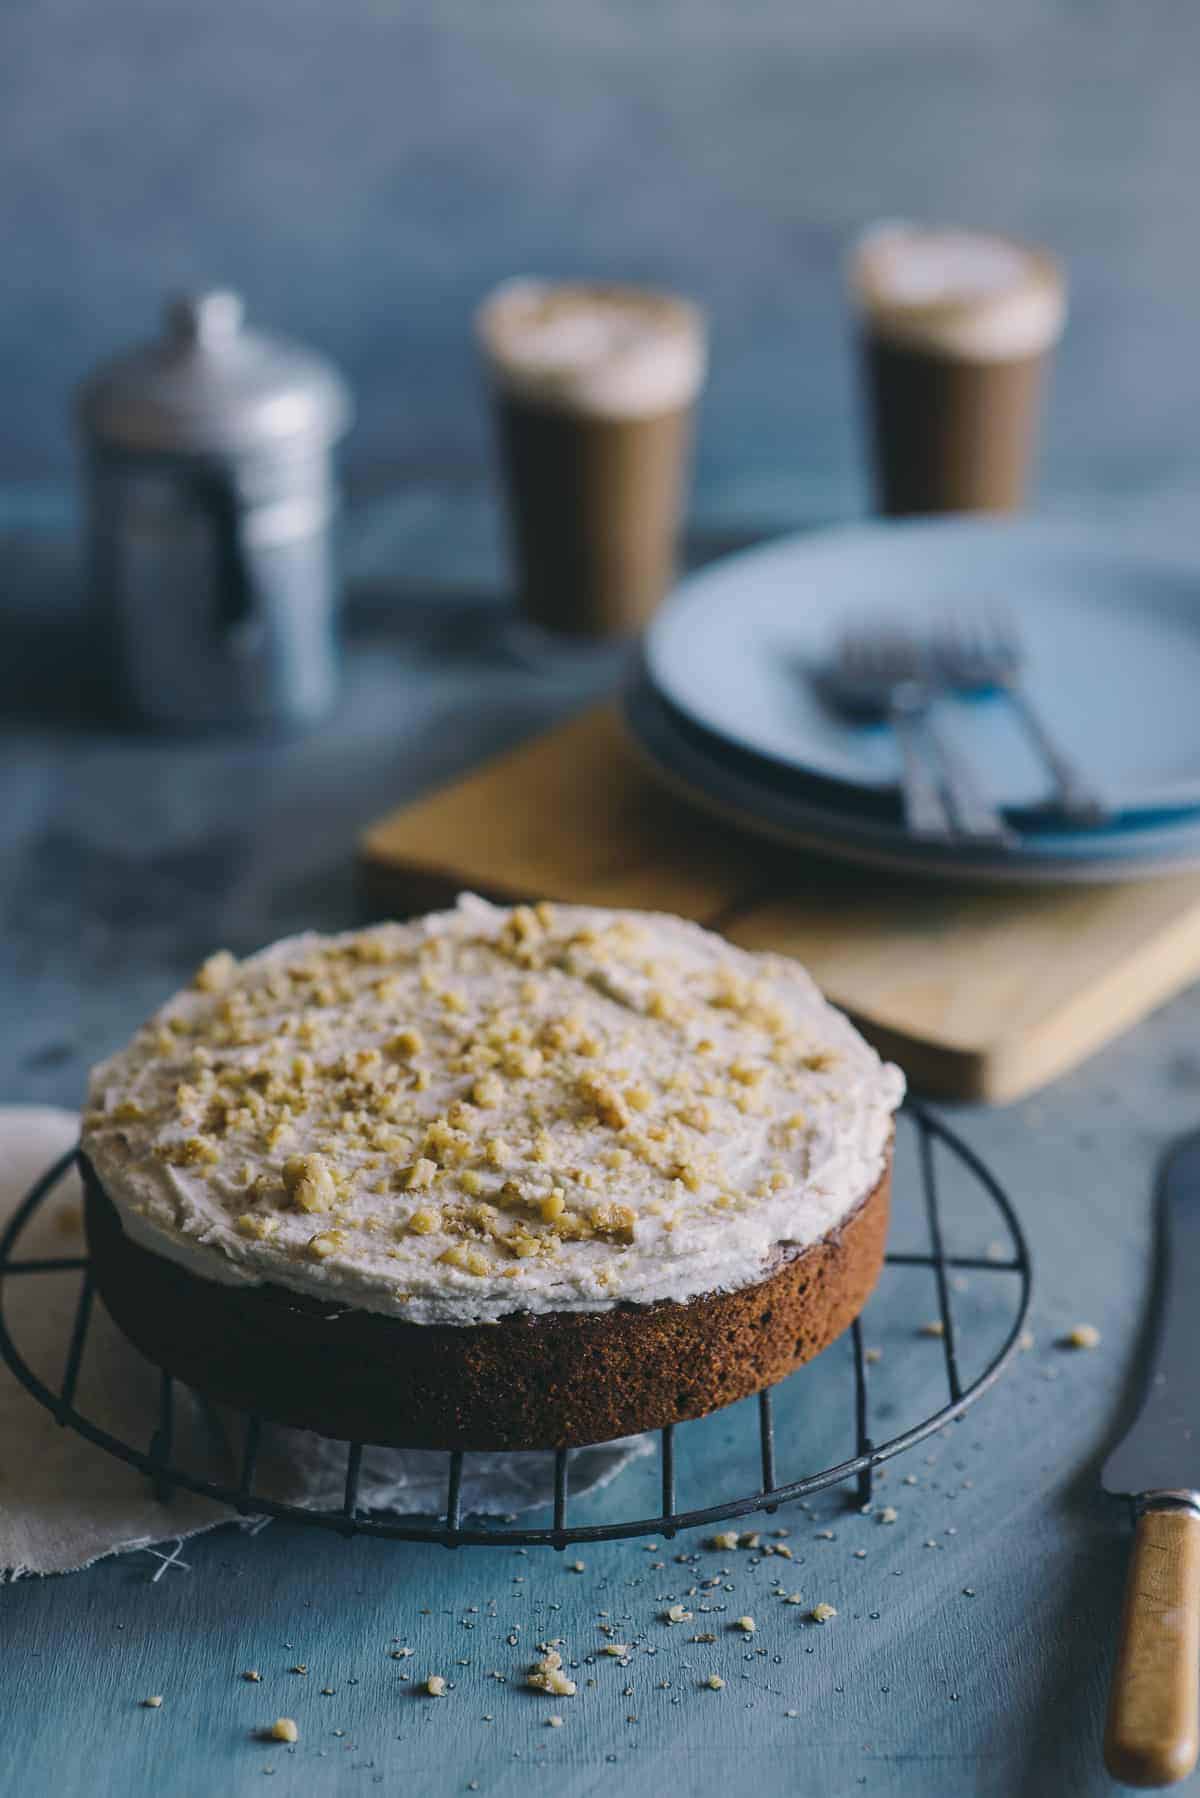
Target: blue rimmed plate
pixel 1112 637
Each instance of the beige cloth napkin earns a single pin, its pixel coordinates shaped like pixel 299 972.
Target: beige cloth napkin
pixel 64 1502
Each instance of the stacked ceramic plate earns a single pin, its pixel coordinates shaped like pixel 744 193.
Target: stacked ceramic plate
pixel 729 705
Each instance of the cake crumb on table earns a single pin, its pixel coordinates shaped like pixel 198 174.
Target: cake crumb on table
pixel 252 1674
pixel 151 1704
pixel 284 1730
pixel 821 1613
pixel 888 1514
pixel 554 1722
pixel 1081 1336
pixel 547 1675
pixel 747 1625
pixel 676 1614
pixel 715 1683
pixel 435 1686
pixel 725 1539
pixel 935 1327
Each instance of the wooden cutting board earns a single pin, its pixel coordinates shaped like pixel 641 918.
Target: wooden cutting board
pixel 979 993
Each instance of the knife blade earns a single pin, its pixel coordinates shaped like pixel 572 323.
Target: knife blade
pixel 1152 1736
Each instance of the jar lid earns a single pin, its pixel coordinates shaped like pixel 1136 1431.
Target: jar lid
pixel 208 386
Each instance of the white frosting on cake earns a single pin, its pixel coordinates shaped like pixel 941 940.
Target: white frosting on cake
pixel 958 293
pixel 607 350
pixel 489 1111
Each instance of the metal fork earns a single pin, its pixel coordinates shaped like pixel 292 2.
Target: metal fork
pixel 880 674
pixel 980 651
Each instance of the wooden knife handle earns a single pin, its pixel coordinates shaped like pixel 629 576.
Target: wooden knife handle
pixel 1153 1731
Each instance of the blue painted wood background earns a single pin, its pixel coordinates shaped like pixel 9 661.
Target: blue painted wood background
pixel 364 171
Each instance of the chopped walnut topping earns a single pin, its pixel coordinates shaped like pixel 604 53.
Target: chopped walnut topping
pixel 578 1087
pixel 309 1183
pixel 604 1099
pixel 255 1225
pixel 470 1261
pixel 420 1175
pixel 215 973
pixel 193 1151
pixel 553 1205
pixel 327 1243
pixel 615 1221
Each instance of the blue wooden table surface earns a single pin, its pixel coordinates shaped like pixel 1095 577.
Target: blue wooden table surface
pixel 973 1637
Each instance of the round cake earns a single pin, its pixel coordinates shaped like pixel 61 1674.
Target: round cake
pixel 496 1178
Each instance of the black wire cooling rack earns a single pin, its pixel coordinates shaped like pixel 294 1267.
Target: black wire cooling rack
pixel 448 1528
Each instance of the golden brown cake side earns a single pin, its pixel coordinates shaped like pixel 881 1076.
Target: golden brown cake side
pixel 550 1380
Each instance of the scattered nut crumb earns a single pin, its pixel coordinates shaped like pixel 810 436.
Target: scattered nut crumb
pixel 872 1355
pixel 284 1730
pixel 252 1673
pixel 1025 1341
pixel 715 1683
pixel 578 1566
pixel 747 1625
pixel 821 1613
pixel 935 1327
pixel 1082 1336
pixel 151 1704
pixel 435 1685
pixel 554 1722
pixel 888 1514
pixel 726 1539
pixel 677 1614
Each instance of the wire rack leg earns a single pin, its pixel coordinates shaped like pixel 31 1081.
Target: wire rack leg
pixel 862 1439
pixel 560 1497
pixel 454 1498
pixel 350 1501
pixel 667 1452
pixel 933 1215
pixel 766 1442
pixel 160 1446
pixel 249 1463
pixel 79 1330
